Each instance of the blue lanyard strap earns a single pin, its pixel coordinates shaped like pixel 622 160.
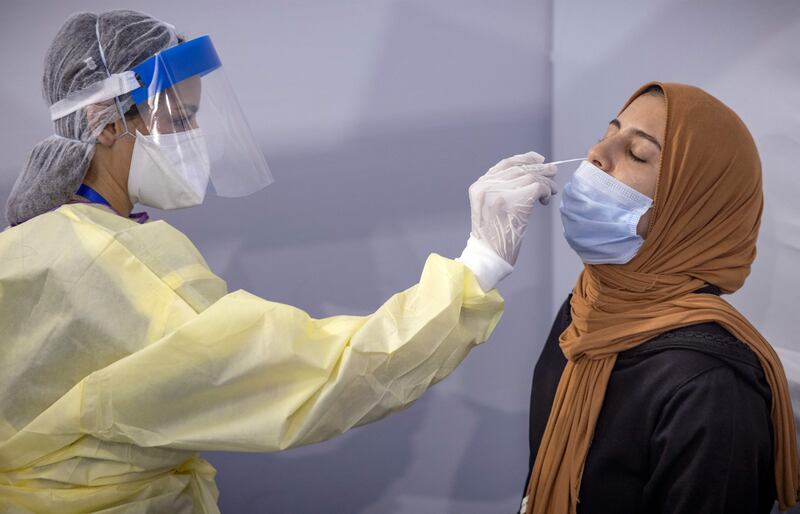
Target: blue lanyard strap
pixel 92 195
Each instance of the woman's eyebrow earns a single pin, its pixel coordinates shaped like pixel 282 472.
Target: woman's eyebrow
pixel 638 132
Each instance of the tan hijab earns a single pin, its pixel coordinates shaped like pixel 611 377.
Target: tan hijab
pixel 707 211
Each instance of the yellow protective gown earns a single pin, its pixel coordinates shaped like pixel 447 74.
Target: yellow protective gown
pixel 122 355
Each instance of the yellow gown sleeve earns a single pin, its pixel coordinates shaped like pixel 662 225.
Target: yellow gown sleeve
pixel 248 374
pixel 121 332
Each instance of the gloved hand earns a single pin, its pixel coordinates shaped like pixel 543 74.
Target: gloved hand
pixel 503 198
pixel 501 202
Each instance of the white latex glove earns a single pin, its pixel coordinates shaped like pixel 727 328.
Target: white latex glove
pixel 501 202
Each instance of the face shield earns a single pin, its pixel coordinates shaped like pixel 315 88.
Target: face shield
pixel 188 106
pixel 196 132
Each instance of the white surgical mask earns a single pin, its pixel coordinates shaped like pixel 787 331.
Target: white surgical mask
pixel 600 215
pixel 169 171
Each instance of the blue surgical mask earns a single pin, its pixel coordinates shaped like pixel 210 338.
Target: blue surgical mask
pixel 600 215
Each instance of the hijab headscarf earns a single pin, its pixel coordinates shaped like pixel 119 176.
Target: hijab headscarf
pixel 706 215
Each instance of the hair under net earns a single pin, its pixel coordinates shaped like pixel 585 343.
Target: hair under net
pixel 87 49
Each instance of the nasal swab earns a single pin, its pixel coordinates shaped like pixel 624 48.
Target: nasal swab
pixel 568 160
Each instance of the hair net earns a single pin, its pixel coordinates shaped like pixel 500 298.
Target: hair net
pixel 88 48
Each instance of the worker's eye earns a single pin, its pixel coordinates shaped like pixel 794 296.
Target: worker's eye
pixel 181 124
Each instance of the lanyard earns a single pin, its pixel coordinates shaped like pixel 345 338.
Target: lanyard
pixel 95 197
pixel 92 195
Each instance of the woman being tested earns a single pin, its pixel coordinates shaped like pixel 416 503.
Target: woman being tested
pixel 653 394
pixel 123 355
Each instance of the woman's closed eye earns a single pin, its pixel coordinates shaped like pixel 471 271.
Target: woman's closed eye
pixel 635 157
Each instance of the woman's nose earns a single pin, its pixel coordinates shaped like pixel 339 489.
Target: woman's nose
pixel 600 156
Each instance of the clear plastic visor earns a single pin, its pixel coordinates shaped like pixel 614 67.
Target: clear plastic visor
pixel 190 111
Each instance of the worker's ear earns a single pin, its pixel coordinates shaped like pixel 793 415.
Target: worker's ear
pixel 109 133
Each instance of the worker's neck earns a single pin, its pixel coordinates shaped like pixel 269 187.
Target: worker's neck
pixel 109 184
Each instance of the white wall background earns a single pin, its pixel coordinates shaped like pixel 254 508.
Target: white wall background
pixel 375 117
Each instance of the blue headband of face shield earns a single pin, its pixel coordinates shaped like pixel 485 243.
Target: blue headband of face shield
pixel 196 57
